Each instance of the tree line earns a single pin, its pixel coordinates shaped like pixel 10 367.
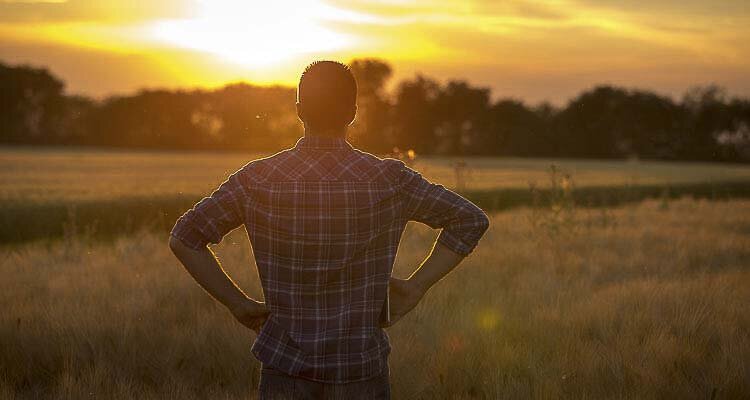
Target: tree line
pixel 451 118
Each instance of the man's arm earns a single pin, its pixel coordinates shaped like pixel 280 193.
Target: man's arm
pixel 205 268
pixel 462 224
pixel 405 294
pixel 208 222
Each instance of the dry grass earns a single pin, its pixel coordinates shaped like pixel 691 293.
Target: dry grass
pixel 53 175
pixel 646 301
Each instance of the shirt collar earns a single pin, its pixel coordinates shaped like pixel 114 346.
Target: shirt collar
pixel 322 143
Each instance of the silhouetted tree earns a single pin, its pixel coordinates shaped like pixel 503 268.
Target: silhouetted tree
pixel 151 118
pixel 707 115
pixel 72 128
pixel 31 105
pixel 252 117
pixel 371 129
pixel 235 117
pixel 733 143
pixel 415 114
pixel 516 130
pixel 459 110
pixel 588 126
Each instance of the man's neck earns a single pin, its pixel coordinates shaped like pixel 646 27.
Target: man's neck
pixel 334 133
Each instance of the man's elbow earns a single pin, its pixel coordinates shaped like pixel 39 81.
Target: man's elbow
pixel 175 244
pixel 482 222
pixel 178 247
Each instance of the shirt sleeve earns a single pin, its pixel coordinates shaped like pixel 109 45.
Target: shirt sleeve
pixel 212 217
pixel 462 222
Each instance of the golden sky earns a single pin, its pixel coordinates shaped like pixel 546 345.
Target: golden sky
pixel 532 50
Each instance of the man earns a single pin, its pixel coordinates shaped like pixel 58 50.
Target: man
pixel 325 220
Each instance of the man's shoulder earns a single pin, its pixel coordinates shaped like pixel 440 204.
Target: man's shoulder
pixel 375 160
pixel 262 168
pixel 372 167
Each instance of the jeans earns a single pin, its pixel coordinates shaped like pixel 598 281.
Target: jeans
pixel 276 385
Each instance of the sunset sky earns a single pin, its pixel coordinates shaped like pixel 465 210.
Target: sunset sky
pixel 532 50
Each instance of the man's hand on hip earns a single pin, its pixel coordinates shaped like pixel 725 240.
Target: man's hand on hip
pixel 404 295
pixel 252 314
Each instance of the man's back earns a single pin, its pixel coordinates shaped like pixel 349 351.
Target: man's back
pixel 325 221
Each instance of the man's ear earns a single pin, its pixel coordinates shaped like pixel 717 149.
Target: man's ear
pixel 352 115
pixel 300 113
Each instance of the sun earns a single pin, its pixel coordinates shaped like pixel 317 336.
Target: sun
pixel 257 34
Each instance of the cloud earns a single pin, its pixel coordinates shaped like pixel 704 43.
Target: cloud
pixel 94 11
pixel 32 1
pixel 667 9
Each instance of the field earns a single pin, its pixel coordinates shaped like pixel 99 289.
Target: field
pixel 48 176
pixel 644 300
pixel 56 193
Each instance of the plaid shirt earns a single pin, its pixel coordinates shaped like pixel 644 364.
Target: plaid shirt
pixel 325 221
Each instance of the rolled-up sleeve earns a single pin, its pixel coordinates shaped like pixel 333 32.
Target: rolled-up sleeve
pixel 212 217
pixel 462 222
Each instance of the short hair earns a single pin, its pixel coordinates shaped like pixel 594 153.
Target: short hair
pixel 327 92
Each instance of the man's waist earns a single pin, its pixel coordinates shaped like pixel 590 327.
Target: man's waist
pixel 315 337
pixel 325 357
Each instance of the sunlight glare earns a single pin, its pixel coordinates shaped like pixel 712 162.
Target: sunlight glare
pixel 257 35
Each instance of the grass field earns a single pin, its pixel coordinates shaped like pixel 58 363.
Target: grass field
pixel 52 193
pixel 51 176
pixel 646 301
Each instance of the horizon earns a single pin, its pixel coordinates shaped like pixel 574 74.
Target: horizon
pixel 676 97
pixel 534 52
